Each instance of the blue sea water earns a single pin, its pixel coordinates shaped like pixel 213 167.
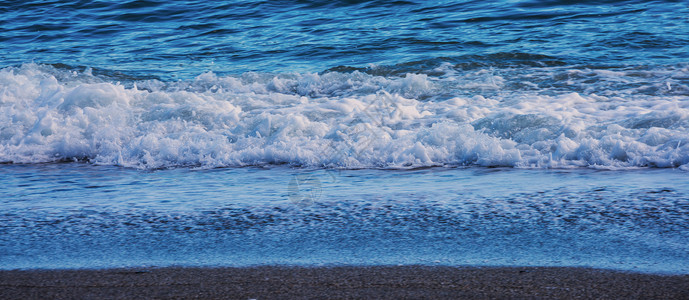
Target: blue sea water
pixel 344 132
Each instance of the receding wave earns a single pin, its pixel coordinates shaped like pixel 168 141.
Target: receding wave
pixel 550 116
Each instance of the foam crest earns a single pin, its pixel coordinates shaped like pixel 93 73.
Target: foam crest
pixel 338 120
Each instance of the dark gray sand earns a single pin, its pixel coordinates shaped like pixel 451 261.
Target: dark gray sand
pixel 340 282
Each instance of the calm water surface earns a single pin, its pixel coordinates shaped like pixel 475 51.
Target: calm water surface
pixel 80 216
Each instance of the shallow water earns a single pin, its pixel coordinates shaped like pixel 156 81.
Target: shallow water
pixel 81 216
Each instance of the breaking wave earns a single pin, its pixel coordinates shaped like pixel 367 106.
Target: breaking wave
pixel 549 116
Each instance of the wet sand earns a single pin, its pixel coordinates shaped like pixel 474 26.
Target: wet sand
pixel 270 282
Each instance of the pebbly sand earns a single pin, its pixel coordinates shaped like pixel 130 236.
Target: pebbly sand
pixel 381 282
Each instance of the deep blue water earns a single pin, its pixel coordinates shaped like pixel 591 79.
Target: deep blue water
pixel 344 132
pixel 169 39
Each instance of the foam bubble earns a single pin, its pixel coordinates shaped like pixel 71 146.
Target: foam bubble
pixel 341 120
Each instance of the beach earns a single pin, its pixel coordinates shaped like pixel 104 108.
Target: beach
pixel 379 282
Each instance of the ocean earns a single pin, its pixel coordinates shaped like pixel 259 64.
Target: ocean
pixel 243 133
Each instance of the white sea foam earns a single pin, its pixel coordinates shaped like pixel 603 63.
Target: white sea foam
pixel 350 120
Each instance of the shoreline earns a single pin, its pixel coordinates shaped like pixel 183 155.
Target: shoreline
pixel 345 282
